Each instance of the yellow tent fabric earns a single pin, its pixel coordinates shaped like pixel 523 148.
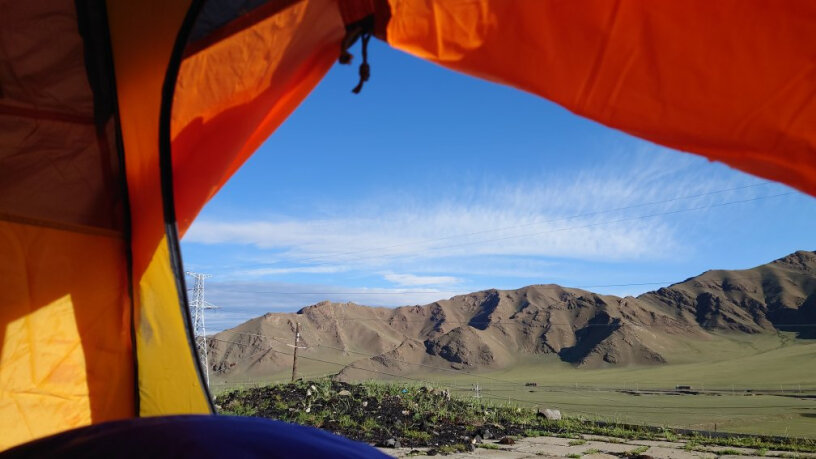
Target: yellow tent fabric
pixel 142 42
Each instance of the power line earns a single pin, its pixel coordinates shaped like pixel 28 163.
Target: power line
pixel 731 275
pixel 493 395
pixel 489 378
pixel 503 322
pixel 474 233
pixel 428 292
pixel 344 365
pixel 398 376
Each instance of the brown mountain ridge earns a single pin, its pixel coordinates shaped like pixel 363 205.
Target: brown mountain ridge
pixel 494 329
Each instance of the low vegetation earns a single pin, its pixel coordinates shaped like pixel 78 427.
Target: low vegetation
pixel 423 416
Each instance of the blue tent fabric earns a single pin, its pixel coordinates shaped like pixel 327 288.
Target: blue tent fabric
pixel 194 437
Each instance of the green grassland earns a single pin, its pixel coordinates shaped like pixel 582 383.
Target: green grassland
pixel 763 384
pixel 417 416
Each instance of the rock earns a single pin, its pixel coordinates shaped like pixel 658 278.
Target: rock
pixel 507 441
pixel 344 393
pixel 405 412
pixel 391 443
pixel 470 447
pixel 550 415
pixel 476 440
pixel 487 434
pixel 365 404
pixel 432 452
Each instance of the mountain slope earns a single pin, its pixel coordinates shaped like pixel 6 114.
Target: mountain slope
pixel 496 328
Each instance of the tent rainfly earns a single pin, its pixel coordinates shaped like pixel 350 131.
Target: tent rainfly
pixel 120 119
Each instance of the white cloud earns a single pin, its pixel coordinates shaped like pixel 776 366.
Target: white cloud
pixel 580 216
pixel 414 280
pixel 291 270
pixel 492 234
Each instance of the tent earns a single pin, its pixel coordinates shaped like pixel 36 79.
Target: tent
pixel 120 119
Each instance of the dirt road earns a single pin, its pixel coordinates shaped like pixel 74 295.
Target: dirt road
pixel 593 447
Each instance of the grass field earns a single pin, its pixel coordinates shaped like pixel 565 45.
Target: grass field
pixel 758 385
pixel 421 416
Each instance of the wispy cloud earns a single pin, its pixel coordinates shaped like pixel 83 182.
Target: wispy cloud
pixel 291 270
pixel 413 280
pixel 574 228
pixel 587 215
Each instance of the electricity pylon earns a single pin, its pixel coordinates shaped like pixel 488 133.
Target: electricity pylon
pixel 197 306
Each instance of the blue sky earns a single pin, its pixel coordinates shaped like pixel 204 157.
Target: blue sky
pixel 430 183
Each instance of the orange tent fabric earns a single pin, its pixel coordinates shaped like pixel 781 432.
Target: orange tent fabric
pixel 230 95
pixel 731 80
pixel 120 120
pixel 65 345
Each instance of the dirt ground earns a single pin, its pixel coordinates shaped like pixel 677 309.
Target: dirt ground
pixel 600 448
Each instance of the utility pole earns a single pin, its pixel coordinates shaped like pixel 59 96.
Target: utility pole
pixel 297 343
pixel 197 306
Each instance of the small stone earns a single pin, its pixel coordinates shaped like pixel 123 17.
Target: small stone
pixel 487 434
pixel 471 447
pixel 397 444
pixel 365 404
pixel 507 441
pixel 308 392
pixel 432 452
pixel 390 443
pixel 476 440
pixel 312 387
pixel 405 412
pixel 550 415
pixel 344 393
pixel 308 409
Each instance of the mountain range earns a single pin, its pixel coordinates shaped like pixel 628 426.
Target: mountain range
pixel 494 329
